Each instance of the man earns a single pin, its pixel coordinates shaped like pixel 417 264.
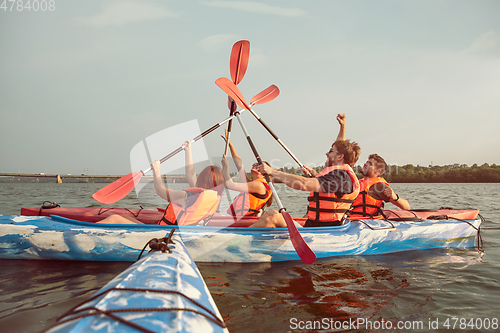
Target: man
pixel 333 190
pixel 374 190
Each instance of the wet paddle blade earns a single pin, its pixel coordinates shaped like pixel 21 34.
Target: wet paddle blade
pixel 118 189
pixel 303 250
pixel 239 60
pixel 265 95
pixel 232 90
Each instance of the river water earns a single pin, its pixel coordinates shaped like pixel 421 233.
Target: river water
pixel 421 291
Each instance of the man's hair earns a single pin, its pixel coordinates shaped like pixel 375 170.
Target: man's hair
pixel 380 162
pixel 350 149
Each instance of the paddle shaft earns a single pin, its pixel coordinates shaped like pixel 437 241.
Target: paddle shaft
pixel 232 109
pixel 259 160
pixel 181 148
pixel 278 139
pixel 232 90
pixel 229 125
pixel 238 63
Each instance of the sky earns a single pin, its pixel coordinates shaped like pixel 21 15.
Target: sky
pixel 82 84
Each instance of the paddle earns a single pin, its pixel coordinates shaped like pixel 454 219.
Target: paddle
pixel 238 64
pixel 229 88
pixel 121 187
pixel 303 250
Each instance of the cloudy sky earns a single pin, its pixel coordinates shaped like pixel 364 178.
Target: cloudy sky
pixel 82 85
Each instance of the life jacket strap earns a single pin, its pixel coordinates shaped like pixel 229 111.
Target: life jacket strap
pixel 326 210
pixel 317 198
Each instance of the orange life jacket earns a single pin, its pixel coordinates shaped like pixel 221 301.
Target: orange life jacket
pixel 326 207
pixel 365 206
pixel 204 207
pixel 250 204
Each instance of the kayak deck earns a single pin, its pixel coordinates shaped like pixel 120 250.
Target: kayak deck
pixel 162 292
pixel 151 216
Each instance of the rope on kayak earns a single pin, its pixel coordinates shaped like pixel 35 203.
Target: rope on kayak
pixel 156 245
pixel 47 205
pixel 93 311
pixel 479 238
pixel 383 228
pixel 159 244
pixel 402 219
pixel 104 210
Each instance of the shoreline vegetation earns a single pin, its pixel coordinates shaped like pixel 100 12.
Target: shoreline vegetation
pixel 455 173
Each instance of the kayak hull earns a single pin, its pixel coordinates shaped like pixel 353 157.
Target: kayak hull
pixel 163 292
pixel 33 237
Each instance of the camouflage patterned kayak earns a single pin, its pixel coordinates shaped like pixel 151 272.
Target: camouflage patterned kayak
pixel 224 240
pixel 162 292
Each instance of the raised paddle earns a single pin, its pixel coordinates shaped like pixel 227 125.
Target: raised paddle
pixel 238 64
pixel 239 60
pixel 267 95
pixel 235 94
pixel 303 250
pixel 120 188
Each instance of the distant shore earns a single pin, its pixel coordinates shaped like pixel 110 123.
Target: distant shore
pixel 455 173
pixel 42 178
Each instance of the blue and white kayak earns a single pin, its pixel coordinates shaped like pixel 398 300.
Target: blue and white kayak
pixel 162 292
pixel 40 237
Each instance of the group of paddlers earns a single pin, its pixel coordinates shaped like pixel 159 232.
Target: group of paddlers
pixel 335 193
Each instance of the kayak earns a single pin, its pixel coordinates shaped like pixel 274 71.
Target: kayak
pixel 152 216
pixel 226 240
pixel 162 292
pixel 92 214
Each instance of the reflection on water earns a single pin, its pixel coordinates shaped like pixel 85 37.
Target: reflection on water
pixel 402 286
pixel 389 287
pixel 35 292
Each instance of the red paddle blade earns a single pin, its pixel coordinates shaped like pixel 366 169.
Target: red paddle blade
pixel 303 250
pixel 239 60
pixel 265 95
pixel 118 189
pixel 232 90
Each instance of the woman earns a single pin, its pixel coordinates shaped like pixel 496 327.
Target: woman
pixel 255 194
pixel 197 203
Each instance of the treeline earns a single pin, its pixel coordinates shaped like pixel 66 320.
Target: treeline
pixel 456 173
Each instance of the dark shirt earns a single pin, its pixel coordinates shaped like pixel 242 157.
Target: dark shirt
pixel 337 181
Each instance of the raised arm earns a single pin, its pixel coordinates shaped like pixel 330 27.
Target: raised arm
pixel 253 187
pixel 294 181
pixel 179 197
pixel 396 199
pixel 237 161
pixel 341 118
pixel 189 165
